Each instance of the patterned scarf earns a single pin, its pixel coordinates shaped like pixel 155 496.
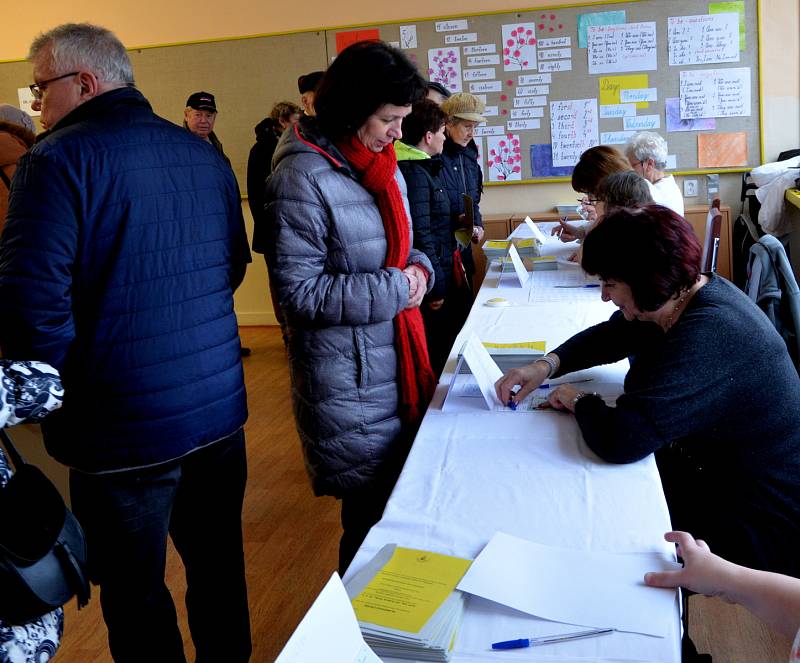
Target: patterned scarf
pixel 377 173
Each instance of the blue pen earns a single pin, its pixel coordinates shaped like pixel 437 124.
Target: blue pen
pixel 550 639
pixel 585 285
pixel 511 402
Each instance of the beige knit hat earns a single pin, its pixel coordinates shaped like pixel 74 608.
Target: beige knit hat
pixel 465 106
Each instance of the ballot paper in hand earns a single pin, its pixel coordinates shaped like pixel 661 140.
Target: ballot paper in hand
pixel 578 587
pixel 329 631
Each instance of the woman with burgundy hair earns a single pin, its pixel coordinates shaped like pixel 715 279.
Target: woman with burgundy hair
pixel 349 283
pixel 711 389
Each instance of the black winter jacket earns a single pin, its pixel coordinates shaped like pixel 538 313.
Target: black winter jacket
pixel 259 167
pixel 462 174
pixel 430 215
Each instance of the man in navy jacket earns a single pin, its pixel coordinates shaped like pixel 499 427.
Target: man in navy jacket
pixel 123 244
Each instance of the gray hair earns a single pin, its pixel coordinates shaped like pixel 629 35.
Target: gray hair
pixel 85 46
pixel 9 113
pixel 648 145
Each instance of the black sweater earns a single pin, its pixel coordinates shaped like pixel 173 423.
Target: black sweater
pixel 718 399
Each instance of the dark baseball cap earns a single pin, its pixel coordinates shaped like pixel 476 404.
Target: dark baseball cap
pixel 202 101
pixel 309 82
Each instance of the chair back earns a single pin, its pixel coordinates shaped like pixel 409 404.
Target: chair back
pixel 708 263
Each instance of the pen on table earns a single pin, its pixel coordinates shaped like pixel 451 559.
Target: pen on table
pixel 550 639
pixel 585 285
pixel 547 385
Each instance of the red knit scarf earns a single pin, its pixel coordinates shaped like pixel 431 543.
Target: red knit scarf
pixel 377 173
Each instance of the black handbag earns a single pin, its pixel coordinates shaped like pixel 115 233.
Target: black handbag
pixel 42 546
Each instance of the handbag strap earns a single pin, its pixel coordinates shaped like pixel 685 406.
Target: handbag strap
pixel 6 179
pixel 16 456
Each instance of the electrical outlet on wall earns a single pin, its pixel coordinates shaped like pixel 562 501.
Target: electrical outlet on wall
pixel 689 188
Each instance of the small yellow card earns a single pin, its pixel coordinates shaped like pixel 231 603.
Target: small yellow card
pixel 611 85
pixel 406 592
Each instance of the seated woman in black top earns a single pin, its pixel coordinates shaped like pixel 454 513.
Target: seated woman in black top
pixel 711 389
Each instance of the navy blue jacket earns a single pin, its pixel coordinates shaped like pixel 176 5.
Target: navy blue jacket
pixel 430 216
pixel 461 174
pixel 123 243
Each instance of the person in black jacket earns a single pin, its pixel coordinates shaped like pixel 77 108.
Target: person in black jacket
pixel 461 172
pixel 443 309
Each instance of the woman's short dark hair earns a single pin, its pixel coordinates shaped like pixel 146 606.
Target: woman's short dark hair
pixel 651 249
pixel 595 164
pixel 425 116
pixel 361 79
pixel 626 189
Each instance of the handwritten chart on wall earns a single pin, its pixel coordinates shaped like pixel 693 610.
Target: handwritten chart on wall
pixel 558 81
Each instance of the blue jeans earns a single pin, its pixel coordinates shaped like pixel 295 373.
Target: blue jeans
pixel 127 517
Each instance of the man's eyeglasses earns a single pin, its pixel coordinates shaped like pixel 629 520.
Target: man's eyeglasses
pixel 37 89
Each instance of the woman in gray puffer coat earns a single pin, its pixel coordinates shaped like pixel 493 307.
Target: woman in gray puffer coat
pixel 349 284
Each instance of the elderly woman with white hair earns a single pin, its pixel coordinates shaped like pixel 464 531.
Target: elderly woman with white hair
pixel 647 153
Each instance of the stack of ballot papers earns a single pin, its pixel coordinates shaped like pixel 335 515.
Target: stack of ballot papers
pixel 495 249
pixel 508 355
pixel 406 603
pixel 541 263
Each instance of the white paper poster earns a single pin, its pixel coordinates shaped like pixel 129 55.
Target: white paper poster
pixel 715 93
pixel 527 113
pixel 532 90
pixel 25 97
pixel 622 47
pixel 528 102
pixel 555 42
pixel 555 54
pixel 489 131
pixel 504 158
pixel 408 36
pixel 491 111
pixel 573 129
pixel 534 79
pixel 556 65
pixel 485 74
pixel 488 86
pixel 480 49
pixel 523 125
pixel 703 39
pixel 444 66
pixel 482 60
pixel 452 25
pixel 463 38
pixel 519 46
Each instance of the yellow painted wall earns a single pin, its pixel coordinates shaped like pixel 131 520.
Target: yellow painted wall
pixel 148 22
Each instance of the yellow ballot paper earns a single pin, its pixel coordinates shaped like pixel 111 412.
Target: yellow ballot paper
pixel 409 588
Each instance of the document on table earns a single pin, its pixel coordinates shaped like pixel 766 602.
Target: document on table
pixel 538 235
pixel 328 632
pixel 522 274
pixel 595 589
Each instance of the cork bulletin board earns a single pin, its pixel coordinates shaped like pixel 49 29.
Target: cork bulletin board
pixel 555 81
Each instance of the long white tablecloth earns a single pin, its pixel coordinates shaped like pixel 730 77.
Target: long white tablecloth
pixel 472 474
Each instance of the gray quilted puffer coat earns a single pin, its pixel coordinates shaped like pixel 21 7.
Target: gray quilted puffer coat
pixel 326 249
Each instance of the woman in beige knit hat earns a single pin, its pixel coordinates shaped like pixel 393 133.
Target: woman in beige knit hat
pixel 461 173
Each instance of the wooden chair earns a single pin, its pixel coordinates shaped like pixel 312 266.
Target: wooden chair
pixel 708 263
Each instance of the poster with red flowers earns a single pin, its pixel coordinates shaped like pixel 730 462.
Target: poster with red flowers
pixel 444 66
pixel 504 157
pixel 519 46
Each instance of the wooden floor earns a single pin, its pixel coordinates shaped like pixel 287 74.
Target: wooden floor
pixel 291 541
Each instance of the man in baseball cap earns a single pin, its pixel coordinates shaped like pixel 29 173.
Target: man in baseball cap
pixel 200 114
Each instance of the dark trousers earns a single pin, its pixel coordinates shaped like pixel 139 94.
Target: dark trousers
pixel 127 517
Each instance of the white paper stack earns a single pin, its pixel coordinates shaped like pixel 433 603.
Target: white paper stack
pixel 508 355
pixel 407 605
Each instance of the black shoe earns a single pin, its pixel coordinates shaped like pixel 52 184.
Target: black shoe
pixel 245 352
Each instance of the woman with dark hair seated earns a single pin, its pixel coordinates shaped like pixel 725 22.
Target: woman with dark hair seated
pixel 350 284
pixel 711 389
pixel 445 308
pixel 594 165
